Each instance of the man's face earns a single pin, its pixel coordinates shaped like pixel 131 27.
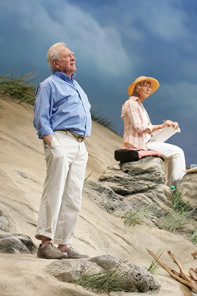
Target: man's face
pixel 65 62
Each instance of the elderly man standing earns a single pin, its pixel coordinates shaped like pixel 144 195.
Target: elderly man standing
pixel 62 119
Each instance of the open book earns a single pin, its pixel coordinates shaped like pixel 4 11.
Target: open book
pixel 164 134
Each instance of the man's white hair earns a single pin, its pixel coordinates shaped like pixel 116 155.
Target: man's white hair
pixel 53 54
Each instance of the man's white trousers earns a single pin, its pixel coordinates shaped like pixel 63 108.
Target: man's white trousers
pixel 66 161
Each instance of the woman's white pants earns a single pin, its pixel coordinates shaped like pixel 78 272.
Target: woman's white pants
pixel 175 160
pixel 66 161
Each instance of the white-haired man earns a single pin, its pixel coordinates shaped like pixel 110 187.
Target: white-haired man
pixel 62 119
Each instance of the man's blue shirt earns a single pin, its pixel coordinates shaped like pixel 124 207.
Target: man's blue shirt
pixel 61 104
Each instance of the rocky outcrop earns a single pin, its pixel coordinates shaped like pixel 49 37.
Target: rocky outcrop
pixel 133 277
pixel 136 185
pixel 4 223
pixel 70 270
pixel 135 177
pixel 188 189
pixel 16 243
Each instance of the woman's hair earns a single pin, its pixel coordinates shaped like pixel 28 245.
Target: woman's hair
pixel 138 86
pixel 53 54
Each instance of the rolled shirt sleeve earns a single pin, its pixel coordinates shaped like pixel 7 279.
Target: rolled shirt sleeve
pixel 42 111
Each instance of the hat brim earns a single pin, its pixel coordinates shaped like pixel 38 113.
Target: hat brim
pixel 154 84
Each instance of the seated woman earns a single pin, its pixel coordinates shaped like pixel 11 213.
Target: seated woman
pixel 138 128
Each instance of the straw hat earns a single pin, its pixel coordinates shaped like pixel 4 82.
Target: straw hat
pixel 154 84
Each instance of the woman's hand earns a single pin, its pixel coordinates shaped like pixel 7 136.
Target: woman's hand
pixel 170 123
pixel 147 131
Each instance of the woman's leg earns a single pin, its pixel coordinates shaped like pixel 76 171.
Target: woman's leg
pixel 176 158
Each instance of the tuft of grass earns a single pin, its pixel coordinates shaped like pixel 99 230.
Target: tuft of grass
pixel 194 237
pixel 18 88
pixel 178 203
pixel 136 217
pixel 103 282
pixel 21 88
pixel 174 221
pixel 177 218
pixel 101 120
pixel 154 265
pixel 86 179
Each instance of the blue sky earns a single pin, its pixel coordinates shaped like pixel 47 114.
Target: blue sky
pixel 114 42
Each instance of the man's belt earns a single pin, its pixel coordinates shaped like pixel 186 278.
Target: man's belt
pixel 77 137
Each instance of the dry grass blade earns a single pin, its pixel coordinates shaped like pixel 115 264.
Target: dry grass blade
pixel 136 217
pixel 174 221
pixel 102 120
pixel 178 203
pixel 154 264
pixel 18 88
pixel 103 282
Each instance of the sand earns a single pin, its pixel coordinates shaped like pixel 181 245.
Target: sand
pixel 22 173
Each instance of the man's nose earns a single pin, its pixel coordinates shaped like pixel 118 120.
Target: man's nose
pixel 72 56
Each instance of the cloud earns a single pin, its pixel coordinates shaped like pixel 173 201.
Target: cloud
pixel 181 96
pixel 44 23
pixel 114 42
pixel 166 19
pixel 99 44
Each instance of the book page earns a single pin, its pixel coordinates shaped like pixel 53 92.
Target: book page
pixel 164 134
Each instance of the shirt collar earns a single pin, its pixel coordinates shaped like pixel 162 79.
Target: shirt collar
pixel 134 98
pixel 64 76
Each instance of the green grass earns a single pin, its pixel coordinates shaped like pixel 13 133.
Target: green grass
pixel 22 89
pixel 178 217
pixel 88 176
pixel 103 282
pixel 102 120
pixel 18 88
pixel 178 204
pixel 154 265
pixel 136 217
pixel 174 221
pixel 194 238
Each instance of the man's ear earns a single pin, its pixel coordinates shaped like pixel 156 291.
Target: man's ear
pixel 55 64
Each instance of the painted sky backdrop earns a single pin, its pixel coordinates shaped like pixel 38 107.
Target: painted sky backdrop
pixel 114 42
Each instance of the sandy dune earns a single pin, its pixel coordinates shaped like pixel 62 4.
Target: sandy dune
pixel 22 173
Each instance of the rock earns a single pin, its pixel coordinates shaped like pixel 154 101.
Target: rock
pixel 139 189
pixel 134 278
pixel 134 177
pixel 4 223
pixel 71 270
pixel 104 196
pixel 188 189
pixel 139 184
pixel 16 243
